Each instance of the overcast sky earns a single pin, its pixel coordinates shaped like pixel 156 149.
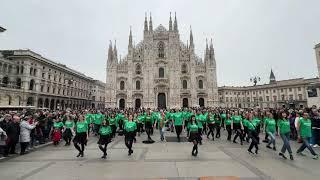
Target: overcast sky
pixel 250 36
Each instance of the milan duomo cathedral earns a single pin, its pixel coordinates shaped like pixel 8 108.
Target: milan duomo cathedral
pixel 161 71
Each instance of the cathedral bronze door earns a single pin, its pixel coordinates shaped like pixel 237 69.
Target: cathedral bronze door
pixel 121 104
pixel 162 100
pixel 185 102
pixel 137 103
pixel 201 102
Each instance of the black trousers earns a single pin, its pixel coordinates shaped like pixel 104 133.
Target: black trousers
pixel 148 127
pixel 211 130
pixel 11 147
pixel 23 147
pixel 178 131
pixel 128 140
pixel 253 135
pixel 239 132
pixel 229 132
pixel 113 128
pixel 218 128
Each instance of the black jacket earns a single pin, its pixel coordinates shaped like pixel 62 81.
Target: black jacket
pixel 13 131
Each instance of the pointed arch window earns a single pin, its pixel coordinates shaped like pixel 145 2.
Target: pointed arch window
pixel 184 68
pixel 31 85
pixel 138 69
pixel 200 84
pixel 122 85
pixel 161 72
pixel 184 84
pixel 161 50
pixel 138 85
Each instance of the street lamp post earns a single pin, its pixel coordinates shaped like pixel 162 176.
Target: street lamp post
pixel 255 80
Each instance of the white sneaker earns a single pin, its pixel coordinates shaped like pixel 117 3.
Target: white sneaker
pixel 316 145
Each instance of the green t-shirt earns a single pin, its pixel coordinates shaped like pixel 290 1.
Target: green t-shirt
pixel 212 119
pixel 198 120
pixel 228 121
pixel 81 127
pixel 177 117
pixel 256 121
pixel 284 126
pixel 193 127
pixel 130 126
pixel 250 125
pixel 271 125
pixel 168 115
pixel 112 121
pixel 305 128
pixel 148 118
pixel 58 125
pixel 69 124
pixel 98 118
pixel 141 118
pixel 105 130
pixel 89 118
pixel 223 116
pixel 236 119
pixel 245 122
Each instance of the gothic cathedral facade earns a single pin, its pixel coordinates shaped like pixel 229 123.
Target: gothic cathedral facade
pixel 161 72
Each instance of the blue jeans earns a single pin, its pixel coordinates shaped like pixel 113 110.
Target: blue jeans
pixel 305 144
pixel 273 139
pixel 286 144
pixel 161 130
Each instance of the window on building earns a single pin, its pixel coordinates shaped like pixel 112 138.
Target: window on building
pixel 31 71
pixel 230 99
pixel 248 99
pixel 227 99
pixel 161 50
pixel 274 98
pixel 274 91
pixel 312 92
pixel 267 91
pixel 137 85
pixel 282 97
pixel 35 72
pixel 200 84
pixel 41 88
pixel 184 84
pixel 18 83
pixel 267 98
pixel 48 89
pixel 43 75
pixel 122 85
pixel 291 97
pixel 260 99
pixel 299 88
pixel 281 90
pixel 161 72
pixel 31 85
pixel 300 97
pixel 53 90
pixel 49 77
pixel 138 69
pixel 290 89
pixel 184 68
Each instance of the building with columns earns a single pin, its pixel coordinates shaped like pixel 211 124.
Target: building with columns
pixel 161 71
pixel 98 94
pixel 27 78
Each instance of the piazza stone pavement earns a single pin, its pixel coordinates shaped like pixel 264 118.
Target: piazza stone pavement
pixel 217 159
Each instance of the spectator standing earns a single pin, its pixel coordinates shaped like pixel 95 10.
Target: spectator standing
pixel 25 130
pixel 13 132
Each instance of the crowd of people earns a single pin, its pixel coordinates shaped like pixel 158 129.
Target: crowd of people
pixel 30 128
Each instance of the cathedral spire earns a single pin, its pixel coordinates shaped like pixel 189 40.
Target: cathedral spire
pixel 170 23
pixel 211 53
pixel 145 23
pixel 115 52
pixel 206 51
pixel 191 39
pixel 272 77
pixel 150 24
pixel 175 24
pixel 110 52
pixel 130 38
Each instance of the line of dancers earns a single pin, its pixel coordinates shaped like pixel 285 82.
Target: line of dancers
pixel 245 125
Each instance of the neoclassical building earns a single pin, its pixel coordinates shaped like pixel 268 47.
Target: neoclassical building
pixel 291 93
pixel 28 79
pixel 161 71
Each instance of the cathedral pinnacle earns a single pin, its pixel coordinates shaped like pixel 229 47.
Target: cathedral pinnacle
pixel 130 38
pixel 110 52
pixel 145 23
pixel 191 39
pixel 115 52
pixel 170 23
pixel 150 24
pixel 175 24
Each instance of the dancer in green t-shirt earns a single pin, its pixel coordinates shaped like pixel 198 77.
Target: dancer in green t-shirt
pixel 130 133
pixel 284 131
pixel 81 135
pixel 105 133
pixel 194 136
